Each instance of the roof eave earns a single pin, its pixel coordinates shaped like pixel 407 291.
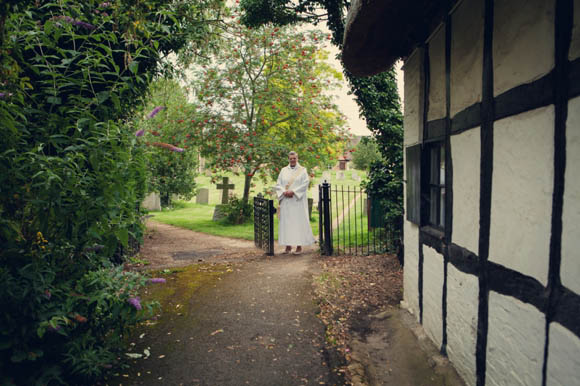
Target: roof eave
pixel 378 32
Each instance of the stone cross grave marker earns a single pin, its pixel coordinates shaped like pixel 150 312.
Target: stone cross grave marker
pixel 226 187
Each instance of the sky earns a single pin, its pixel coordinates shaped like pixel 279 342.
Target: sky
pixel 346 102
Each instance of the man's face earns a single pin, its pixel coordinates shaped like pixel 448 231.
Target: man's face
pixel 293 158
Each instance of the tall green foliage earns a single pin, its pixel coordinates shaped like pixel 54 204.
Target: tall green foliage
pixel 170 172
pixel 72 175
pixel 365 153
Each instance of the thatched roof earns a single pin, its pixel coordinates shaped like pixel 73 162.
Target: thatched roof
pixel 378 32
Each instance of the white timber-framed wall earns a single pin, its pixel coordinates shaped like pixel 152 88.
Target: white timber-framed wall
pixel 497 285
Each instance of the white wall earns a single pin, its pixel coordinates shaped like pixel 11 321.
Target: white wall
pixel 411 272
pixel 521 200
pixel 437 76
pixel 466 55
pixel 575 44
pixel 462 308
pixel 466 155
pixel 413 123
pixel 433 294
pixel 523 42
pixel 563 357
pixel 413 115
pixel 515 343
pixel 570 263
pixel 521 197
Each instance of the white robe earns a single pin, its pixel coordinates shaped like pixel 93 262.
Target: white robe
pixel 293 226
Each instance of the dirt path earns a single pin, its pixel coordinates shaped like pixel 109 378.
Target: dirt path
pixel 232 316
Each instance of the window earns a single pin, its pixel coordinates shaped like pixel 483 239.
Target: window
pixel 437 184
pixel 425 180
pixel 413 182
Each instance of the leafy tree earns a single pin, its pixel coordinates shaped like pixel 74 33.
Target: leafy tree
pixel 365 153
pixel 71 175
pixel 376 95
pixel 263 94
pixel 170 172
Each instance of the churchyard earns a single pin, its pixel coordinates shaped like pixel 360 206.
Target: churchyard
pixel 198 217
pixel 350 178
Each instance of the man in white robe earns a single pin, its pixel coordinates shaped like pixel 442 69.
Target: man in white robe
pixel 291 190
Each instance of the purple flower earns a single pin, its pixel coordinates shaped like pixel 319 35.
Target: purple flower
pixel 135 302
pixel 155 111
pixel 53 329
pixel 72 21
pixel 84 25
pixel 157 280
pixel 140 133
pixel 168 146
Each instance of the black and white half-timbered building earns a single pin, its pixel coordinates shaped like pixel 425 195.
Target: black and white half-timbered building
pixel 492 177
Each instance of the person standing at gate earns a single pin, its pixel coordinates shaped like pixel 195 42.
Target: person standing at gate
pixel 291 190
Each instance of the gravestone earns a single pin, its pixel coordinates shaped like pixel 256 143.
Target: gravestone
pixel 202 196
pixel 340 175
pixel 152 201
pixel 354 175
pixel 326 176
pixel 225 186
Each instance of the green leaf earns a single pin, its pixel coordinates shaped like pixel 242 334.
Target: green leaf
pixel 54 100
pixel 134 66
pixel 123 236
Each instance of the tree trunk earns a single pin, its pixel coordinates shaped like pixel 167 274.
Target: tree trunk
pixel 247 182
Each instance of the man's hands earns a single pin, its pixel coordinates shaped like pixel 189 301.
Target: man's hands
pixel 288 193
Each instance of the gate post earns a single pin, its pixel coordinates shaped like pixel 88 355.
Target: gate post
pixel 327 247
pixel 264 224
pixel 271 210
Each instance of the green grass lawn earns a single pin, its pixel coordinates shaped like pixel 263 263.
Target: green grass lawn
pixel 198 217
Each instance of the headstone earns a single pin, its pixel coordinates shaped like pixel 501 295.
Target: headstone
pixel 218 213
pixel 202 196
pixel 340 175
pixel 225 186
pixel 152 201
pixel 354 175
pixel 326 176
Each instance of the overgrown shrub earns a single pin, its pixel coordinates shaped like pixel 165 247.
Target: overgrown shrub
pixel 237 211
pixel 72 175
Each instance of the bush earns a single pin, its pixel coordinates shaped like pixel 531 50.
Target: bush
pixel 237 211
pixel 72 175
pixel 366 152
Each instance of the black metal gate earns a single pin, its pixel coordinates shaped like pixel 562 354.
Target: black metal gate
pixel 264 224
pixel 352 223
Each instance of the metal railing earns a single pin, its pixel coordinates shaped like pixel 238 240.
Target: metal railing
pixel 352 223
pixel 264 224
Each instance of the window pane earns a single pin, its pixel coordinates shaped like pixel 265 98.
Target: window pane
pixel 434 165
pixel 442 208
pixel 442 166
pixel 433 212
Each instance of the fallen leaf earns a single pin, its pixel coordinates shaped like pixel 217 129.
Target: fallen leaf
pixel 161 356
pixel 217 332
